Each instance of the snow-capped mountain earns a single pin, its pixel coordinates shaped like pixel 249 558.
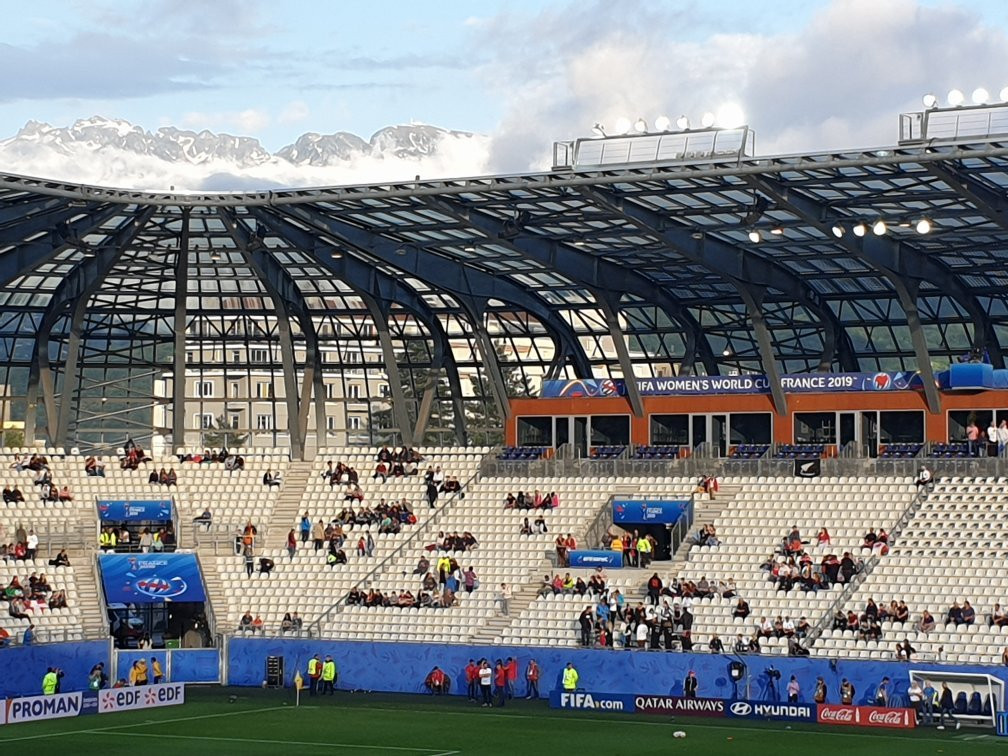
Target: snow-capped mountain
pixel 117 153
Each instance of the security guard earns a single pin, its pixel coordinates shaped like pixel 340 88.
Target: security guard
pixel 570 677
pixel 328 675
pixel 107 540
pixel 314 673
pixel 50 681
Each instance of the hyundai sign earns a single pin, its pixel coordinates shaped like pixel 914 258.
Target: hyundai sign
pixel 777 711
pixel 644 511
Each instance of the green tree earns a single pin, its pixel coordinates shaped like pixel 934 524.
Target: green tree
pixel 417 376
pixel 483 417
pixel 223 436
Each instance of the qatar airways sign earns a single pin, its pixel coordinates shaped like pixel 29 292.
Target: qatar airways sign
pixel 694 707
pixel 865 716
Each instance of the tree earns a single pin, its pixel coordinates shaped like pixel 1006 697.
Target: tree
pixel 13 438
pixel 417 376
pixel 223 436
pixel 483 417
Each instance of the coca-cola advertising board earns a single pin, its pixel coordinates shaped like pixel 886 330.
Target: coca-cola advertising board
pixel 865 716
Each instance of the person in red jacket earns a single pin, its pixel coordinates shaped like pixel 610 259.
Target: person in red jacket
pixel 500 682
pixel 512 676
pixel 472 678
pixel 436 682
pixel 532 675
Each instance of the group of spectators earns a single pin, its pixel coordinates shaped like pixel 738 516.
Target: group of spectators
pixel 133 456
pixel 291 623
pixel 564 546
pixel 48 491
pixel 231 462
pixel 30 598
pixel 595 586
pixel 391 463
pixel 163 477
pixel 24 546
pixel 679 588
pixel 535 500
pixel 148 539
pixel 492 686
pixel 990 444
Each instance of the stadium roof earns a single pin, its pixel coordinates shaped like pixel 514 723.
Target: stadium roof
pixel 710 267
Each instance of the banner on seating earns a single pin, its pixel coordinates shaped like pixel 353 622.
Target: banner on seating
pixel 159 510
pixel 706 385
pixel 151 578
pixel 600 558
pixel 644 511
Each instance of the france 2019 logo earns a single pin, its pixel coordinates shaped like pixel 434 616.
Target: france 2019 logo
pixel 881 381
pixel 607 387
pixel 156 587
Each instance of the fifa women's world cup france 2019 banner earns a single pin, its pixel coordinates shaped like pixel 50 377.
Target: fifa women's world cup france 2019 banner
pixel 699 385
pixel 151 578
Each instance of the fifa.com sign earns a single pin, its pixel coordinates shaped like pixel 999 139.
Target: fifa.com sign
pixel 142 697
pixel 591 701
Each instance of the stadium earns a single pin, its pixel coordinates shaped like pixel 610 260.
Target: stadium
pixel 273 429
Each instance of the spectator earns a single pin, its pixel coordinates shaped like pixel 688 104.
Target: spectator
pixel 972 436
pixel 741 609
pixel 269 480
pixel 504 598
pixel 526 528
pixel 905 651
pixel 992 438
pixel 257 625
pixel 1002 437
pixel 471 580
pixel 946 705
pixel 205 519
pixel 998 616
pixel 436 682
pixel 823 537
pixel 715 645
pixel 291 544
pixel 925 479
pixel 968 613
pixel 926 623
pixel 586 621
pixel 954 615
pixel 245 623
pixel 60 560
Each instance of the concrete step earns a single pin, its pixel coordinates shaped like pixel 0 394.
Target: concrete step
pixel 92 622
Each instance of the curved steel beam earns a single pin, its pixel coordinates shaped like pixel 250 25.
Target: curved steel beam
pixel 81 283
pixel 732 264
pixel 442 273
pixel 365 278
pixel 591 271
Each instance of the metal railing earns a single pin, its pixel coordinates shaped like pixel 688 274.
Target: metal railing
pixel 364 582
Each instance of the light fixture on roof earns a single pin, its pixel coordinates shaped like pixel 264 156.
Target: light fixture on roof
pixel 923 226
pixel 955 98
pixel 980 96
pixel 930 101
pixel 730 116
pixel 727 351
pixel 622 125
pixel 754 236
pixel 860 229
pixel 707 120
pixel 838 230
pixel 777 231
pixel 469 248
pixel 662 123
pixel 215 256
pixel 640 126
pixel 599 129
pixel 879 227
pixel 580 243
pixel 336 255
pixel 682 123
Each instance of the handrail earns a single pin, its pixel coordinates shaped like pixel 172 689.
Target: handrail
pixel 337 607
pixel 869 566
pixel 100 590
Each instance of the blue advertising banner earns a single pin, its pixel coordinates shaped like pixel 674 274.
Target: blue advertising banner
pixel 135 511
pixel 773 710
pixel 703 385
pixel 636 511
pixel 579 699
pixel 150 578
pixel 586 558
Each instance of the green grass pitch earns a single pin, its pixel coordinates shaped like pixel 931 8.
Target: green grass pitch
pixel 266 722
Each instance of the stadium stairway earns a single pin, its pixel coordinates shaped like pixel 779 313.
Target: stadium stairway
pixel 522 597
pixel 705 512
pixel 82 560
pixel 287 509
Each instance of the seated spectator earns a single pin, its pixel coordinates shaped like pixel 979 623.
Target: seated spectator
pixel 510 502
pixel 926 623
pixel 998 616
pixel 286 624
pixel 296 623
pixel 905 651
pixel 154 478
pixel 50 493
pixel 245 623
pixel 257 625
pixel 526 529
pixel 925 479
pixel 269 480
pixel 8 494
pixel 172 478
pixel 823 537
pixel 423 566
pixel 205 519
pixel 968 613
pixel 266 565
pixel 17 495
pixel 954 615
pixel 60 560
pixel 795 648
pixel 64 494
pixel 869 539
pixel 58 599
pixel 741 609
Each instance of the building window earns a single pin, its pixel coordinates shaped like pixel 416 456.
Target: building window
pixel 330 422
pixel 204 421
pixel 354 422
pixel 235 389
pixel 260 356
pixel 190 357
pixel 354 391
pixel 264 422
pixel 264 390
pixel 330 390
pixel 235 421
pixel 235 357
pixel 204 389
pixel 384 390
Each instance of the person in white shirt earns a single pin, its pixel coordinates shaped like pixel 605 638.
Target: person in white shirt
pixel 504 598
pixel 789 627
pixel 793 689
pixel 924 478
pixel 32 544
pixel 1002 437
pixel 992 437
pixel 642 634
pixel 915 694
pixel 486 682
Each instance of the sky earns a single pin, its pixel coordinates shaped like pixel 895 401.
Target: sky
pixel 809 74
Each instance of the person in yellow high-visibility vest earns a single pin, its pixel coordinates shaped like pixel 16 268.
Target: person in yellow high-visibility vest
pixel 314 673
pixel 570 677
pixel 50 681
pixel 328 676
pixel 644 550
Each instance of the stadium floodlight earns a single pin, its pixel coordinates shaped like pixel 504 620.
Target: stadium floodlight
pixel 838 230
pixel 860 229
pixel 730 116
pixel 727 351
pixel 1003 96
pixel 754 236
pixel 599 129
pixel 640 126
pixel 622 125
pixel 707 120
pixel 879 227
pixel 980 96
pixel 923 226
pixel 662 123
pixel 930 101
pixel 682 123
pixel 955 98
pixel 777 231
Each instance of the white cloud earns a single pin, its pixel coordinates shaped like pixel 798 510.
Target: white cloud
pixel 293 112
pixel 248 121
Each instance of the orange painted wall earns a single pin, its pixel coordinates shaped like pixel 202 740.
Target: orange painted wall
pixel 935 426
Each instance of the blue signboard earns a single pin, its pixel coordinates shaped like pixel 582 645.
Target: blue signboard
pixel 587 558
pixel 585 701
pixel 151 578
pixel 773 710
pixel 705 385
pixel 135 511
pixel 636 511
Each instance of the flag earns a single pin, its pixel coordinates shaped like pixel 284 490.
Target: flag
pixel 298 680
